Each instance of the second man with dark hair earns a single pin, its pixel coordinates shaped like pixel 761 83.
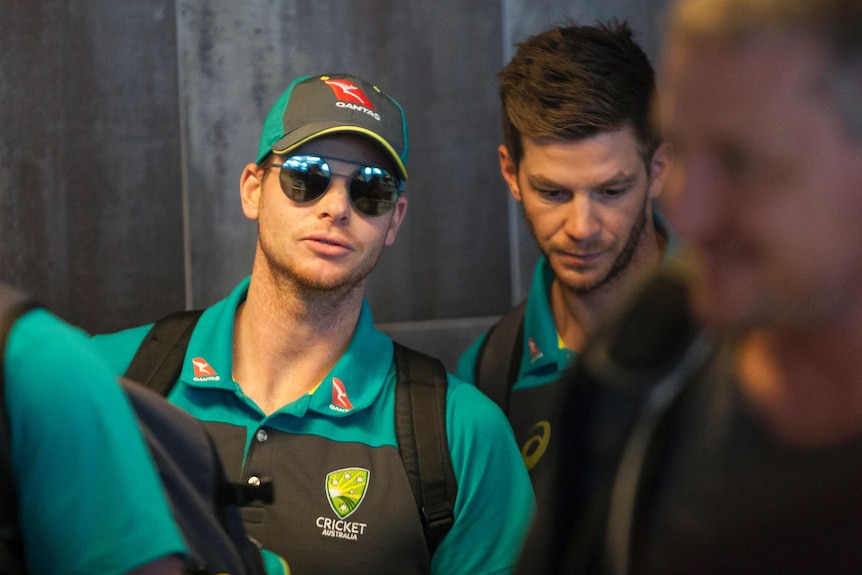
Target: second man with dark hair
pixel 582 158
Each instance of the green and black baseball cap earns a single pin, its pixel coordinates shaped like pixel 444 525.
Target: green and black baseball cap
pixel 314 106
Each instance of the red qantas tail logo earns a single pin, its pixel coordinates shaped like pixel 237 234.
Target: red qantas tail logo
pixel 535 352
pixel 347 91
pixel 202 368
pixel 339 396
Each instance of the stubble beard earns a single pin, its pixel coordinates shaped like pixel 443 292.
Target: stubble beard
pixel 620 265
pixel 289 278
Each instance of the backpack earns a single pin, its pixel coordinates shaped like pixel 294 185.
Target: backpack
pixel 420 414
pixel 499 359
pixel 204 504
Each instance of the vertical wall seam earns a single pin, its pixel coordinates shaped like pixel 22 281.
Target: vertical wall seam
pixel 184 171
pixel 511 205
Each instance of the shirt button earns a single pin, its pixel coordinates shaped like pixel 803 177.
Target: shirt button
pixel 254 481
pixel 261 435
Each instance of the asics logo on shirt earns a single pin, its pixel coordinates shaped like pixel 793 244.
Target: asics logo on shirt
pixel 535 446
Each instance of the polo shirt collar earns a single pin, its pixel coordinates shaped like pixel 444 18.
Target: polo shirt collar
pixel 352 384
pixel 540 334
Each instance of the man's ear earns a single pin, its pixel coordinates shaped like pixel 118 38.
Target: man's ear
pixel 250 189
pixel 509 171
pixel 397 218
pixel 659 168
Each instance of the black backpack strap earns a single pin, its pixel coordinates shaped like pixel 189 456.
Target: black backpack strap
pixel 420 427
pixel 499 358
pixel 159 358
pixel 632 375
pixel 646 438
pixel 12 304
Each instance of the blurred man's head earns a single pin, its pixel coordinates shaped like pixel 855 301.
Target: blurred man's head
pixel 762 104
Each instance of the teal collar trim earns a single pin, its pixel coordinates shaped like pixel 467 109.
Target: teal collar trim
pixel 541 350
pixel 211 344
pixel 352 384
pixel 360 375
pixel 673 241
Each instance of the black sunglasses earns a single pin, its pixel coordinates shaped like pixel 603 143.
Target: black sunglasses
pixel 305 178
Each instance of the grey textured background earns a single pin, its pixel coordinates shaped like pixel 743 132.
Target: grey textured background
pixel 124 127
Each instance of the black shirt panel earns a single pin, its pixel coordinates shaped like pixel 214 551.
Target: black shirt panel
pixel 376 517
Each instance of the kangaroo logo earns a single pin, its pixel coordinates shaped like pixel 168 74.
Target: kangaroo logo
pixel 535 353
pixel 347 91
pixel 340 401
pixel 202 368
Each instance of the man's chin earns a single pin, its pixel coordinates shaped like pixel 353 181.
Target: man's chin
pixel 580 279
pixel 580 283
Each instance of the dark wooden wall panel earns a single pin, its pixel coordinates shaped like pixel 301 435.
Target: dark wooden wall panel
pixel 111 113
pixel 438 59
pixel 91 167
pixel 33 251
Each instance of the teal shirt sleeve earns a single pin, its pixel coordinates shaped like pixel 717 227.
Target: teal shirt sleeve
pixel 466 369
pixel 495 502
pixel 90 498
pixel 274 564
pixel 118 349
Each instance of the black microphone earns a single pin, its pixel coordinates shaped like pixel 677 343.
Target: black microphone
pixel 648 332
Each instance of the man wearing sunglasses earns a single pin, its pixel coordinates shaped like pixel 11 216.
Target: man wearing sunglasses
pixel 297 385
pixel 584 162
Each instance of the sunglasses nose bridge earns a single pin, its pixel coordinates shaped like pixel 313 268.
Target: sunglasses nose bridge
pixel 336 200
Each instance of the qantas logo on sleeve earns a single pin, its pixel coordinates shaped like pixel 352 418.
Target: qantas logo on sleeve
pixel 340 401
pixel 203 371
pixel 350 96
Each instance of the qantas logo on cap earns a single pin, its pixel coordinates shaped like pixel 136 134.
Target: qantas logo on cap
pixel 340 401
pixel 350 96
pixel 203 370
pixel 347 91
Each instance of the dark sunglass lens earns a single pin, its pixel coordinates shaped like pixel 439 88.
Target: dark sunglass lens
pixel 373 191
pixel 304 178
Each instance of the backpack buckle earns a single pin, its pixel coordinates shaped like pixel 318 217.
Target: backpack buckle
pixel 438 519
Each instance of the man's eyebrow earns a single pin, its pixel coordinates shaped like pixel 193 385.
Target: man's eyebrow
pixel 617 180
pixel 620 179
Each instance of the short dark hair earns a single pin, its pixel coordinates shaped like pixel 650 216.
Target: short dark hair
pixel 571 82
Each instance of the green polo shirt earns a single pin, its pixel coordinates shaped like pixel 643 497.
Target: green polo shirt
pixel 537 404
pixel 90 498
pixel 343 433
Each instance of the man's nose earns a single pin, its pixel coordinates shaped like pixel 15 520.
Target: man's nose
pixel 581 223
pixel 335 203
